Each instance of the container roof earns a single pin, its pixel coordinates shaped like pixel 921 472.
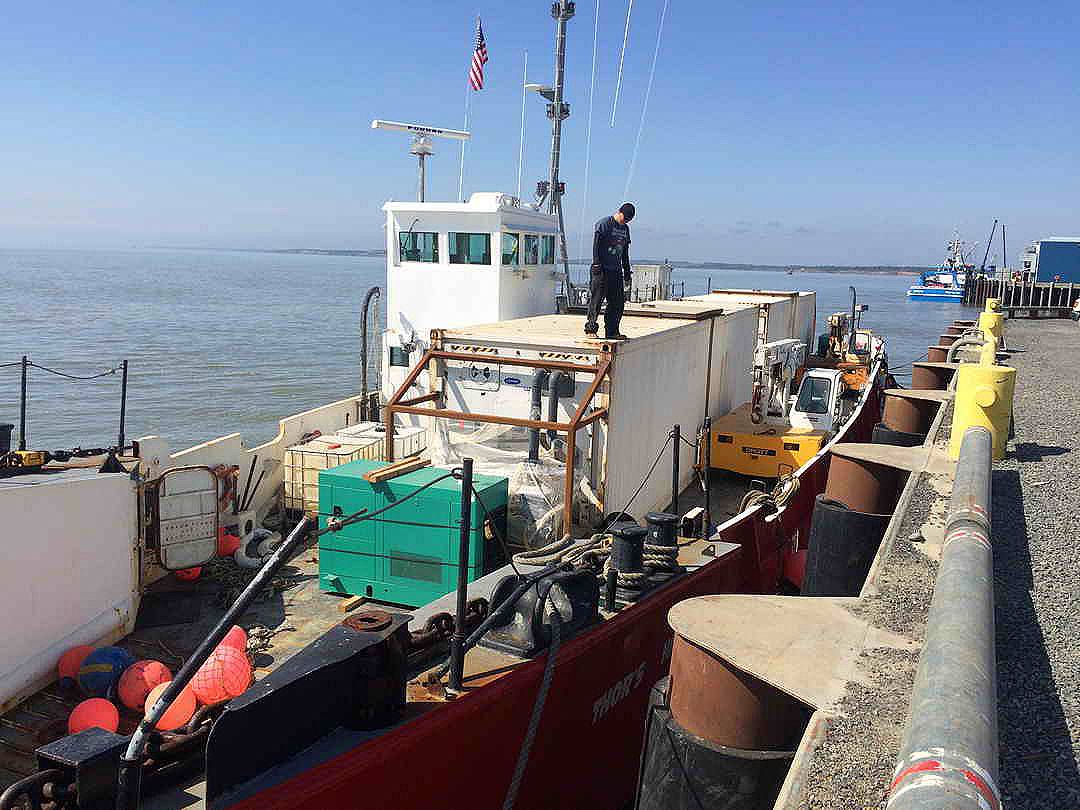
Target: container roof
pixel 560 330
pixel 732 298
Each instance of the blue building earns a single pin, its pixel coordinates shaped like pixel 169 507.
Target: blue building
pixel 1055 259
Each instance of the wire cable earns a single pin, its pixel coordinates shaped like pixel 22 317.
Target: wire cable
pixel 588 136
pixel 909 362
pixel 105 373
pixel 641 486
pixel 333 523
pixel 495 531
pixel 622 58
pixel 645 105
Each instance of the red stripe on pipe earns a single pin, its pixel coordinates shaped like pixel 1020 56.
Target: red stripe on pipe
pixel 988 792
pixel 925 765
pixel 928 765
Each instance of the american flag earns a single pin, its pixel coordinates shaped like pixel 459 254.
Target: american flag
pixel 479 59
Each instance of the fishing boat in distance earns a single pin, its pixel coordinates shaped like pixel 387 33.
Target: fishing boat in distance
pixel 946 283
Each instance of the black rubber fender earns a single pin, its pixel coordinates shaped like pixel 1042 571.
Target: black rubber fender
pixel 883 434
pixel 842 546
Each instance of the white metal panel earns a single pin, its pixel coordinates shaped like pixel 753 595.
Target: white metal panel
pixel 656 383
pixel 69 572
pixel 187 517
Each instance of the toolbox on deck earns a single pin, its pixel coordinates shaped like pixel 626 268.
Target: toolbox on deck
pixel 409 554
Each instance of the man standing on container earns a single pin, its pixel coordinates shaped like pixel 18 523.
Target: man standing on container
pixel 610 271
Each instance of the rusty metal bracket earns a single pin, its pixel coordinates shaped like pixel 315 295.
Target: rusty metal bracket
pixel 600 371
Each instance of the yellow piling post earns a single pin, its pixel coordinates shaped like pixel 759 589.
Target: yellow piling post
pixel 988 352
pixel 991 321
pixel 984 396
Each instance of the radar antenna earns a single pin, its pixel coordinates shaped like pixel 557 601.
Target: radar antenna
pixel 422 146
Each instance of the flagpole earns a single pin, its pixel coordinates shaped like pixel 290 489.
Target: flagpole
pixel 521 146
pixel 468 99
pixel 461 167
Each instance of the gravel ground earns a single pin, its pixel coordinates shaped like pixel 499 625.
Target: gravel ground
pixel 852 766
pixel 1037 572
pixel 1036 534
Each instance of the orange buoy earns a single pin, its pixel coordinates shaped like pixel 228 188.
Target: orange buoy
pixel 227 544
pixel 224 675
pixel 70 661
pixel 189 574
pixel 235 638
pixel 139 679
pixel 91 713
pixel 181 710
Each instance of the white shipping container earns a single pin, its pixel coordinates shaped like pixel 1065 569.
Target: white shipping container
pixel 683 360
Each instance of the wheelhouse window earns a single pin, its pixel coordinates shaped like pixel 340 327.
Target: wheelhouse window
pixel 510 249
pixel 470 248
pixel 814 395
pixel 547 250
pixel 418 246
pixel 532 249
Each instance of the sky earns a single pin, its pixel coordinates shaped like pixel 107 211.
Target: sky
pixel 786 132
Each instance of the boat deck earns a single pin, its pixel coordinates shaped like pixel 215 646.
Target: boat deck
pixel 292 614
pixel 285 620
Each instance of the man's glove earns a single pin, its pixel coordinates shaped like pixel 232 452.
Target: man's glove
pixel 596 269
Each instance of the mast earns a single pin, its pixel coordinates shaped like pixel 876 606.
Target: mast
pixel 561 11
pixel 989 242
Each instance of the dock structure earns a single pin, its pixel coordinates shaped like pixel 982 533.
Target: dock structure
pixel 1022 298
pixel 850 751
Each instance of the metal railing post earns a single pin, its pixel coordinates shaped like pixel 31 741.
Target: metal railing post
pixel 676 438
pixel 457 642
pixel 123 408
pixel 949 757
pixel 706 471
pixel 22 405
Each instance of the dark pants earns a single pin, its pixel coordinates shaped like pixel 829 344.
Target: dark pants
pixel 609 285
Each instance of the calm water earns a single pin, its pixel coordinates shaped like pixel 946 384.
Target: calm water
pixel 221 342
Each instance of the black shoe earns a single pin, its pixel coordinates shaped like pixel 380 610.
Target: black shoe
pixel 590 332
pixel 617 336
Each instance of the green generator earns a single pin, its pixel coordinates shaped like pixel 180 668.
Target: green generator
pixel 409 554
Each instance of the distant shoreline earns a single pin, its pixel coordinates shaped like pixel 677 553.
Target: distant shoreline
pixel 792 269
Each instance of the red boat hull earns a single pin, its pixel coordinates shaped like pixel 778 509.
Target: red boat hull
pixel 588 744
pixel 463 753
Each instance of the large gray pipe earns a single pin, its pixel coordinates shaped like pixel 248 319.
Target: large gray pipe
pixel 553 402
pixel 949 757
pixel 968 341
pixel 536 392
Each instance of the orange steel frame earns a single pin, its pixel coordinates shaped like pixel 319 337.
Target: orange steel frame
pixel 579 420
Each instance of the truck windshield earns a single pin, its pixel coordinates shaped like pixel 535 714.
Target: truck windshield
pixel 814 395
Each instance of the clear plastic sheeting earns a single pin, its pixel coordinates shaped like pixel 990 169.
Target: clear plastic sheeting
pixel 535 507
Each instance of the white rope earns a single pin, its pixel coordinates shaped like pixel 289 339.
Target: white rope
pixel 521 147
pixel 622 57
pixel 588 136
pixel 645 106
